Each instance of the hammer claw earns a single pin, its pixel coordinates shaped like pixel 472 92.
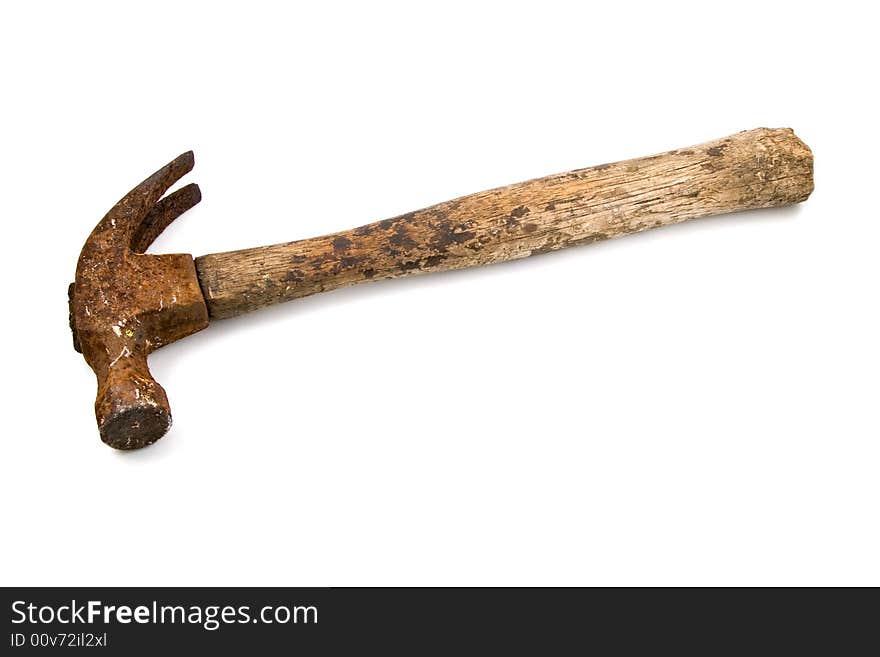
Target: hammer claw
pixel 162 214
pixel 153 187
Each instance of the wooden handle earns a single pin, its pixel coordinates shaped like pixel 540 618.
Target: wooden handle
pixel 754 169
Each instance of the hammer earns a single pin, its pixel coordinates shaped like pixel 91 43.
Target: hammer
pixel 125 304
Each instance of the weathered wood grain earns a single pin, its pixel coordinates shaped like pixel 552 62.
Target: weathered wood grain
pixel 753 169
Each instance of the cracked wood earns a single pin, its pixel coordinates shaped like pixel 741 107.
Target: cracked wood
pixel 754 169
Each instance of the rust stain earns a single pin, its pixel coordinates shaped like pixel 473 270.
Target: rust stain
pixel 341 244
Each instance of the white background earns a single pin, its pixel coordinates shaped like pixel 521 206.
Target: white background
pixel 695 405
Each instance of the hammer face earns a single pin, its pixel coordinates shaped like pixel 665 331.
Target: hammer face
pixel 131 407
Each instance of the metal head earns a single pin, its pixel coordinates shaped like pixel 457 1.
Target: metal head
pixel 125 304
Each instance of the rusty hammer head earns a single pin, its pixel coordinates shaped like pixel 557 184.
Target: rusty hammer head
pixel 124 304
